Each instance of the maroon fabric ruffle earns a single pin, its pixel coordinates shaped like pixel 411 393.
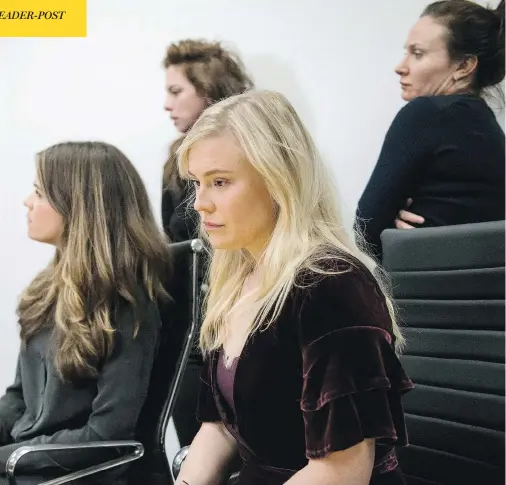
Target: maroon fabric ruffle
pixel 353 383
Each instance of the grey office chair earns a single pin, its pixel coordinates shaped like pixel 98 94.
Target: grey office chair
pixel 449 285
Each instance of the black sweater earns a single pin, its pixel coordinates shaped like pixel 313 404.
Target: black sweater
pixel 179 220
pixel 445 152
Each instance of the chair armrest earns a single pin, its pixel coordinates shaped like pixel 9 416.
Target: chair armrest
pixel 177 462
pixel 180 457
pixel 138 452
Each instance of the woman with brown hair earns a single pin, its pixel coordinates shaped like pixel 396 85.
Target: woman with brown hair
pixel 197 74
pixel 89 321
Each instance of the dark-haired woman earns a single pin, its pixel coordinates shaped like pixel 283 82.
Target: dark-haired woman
pixel 198 73
pixel 445 149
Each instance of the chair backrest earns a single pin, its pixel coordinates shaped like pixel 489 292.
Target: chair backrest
pixel 449 285
pixel 180 319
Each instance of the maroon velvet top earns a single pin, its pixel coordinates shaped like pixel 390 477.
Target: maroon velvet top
pixel 322 378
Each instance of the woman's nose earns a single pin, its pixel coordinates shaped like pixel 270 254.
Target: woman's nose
pixel 202 202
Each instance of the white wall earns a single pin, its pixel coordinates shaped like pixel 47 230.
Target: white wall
pixel 333 59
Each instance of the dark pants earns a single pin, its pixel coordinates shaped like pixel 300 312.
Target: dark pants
pixel 185 409
pixel 36 480
pixel 115 476
pixel 24 480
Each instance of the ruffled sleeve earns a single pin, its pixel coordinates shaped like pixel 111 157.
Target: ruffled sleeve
pixel 207 411
pixel 352 378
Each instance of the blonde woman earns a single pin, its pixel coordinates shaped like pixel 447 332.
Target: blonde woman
pixel 89 322
pixel 302 378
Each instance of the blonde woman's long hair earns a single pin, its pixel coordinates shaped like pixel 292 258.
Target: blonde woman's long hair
pixel 110 250
pixel 308 230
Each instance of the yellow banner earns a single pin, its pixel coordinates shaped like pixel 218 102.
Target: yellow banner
pixel 42 18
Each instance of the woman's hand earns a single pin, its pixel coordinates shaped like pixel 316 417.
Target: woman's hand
pixel 405 218
pixel 209 456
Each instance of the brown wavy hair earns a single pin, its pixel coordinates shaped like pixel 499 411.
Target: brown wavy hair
pixel 111 250
pixel 215 72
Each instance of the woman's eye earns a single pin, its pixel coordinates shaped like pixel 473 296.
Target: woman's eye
pixel 220 182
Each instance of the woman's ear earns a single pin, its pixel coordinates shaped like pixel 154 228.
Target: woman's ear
pixel 465 68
